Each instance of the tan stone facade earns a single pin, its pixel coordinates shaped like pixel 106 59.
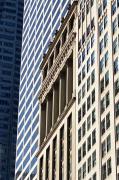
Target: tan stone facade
pixel 57 154
pixel 79 97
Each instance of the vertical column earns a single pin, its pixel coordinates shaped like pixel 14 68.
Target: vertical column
pixel 69 81
pixel 43 123
pixel 65 150
pixel 62 93
pixel 49 113
pixel 44 166
pixel 111 88
pixel 55 109
pixel 54 159
pixel 57 156
pixel 51 153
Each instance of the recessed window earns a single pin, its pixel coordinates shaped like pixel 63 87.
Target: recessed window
pixel 108 143
pixel 116 87
pixel 94 159
pixel 109 168
pixel 103 149
pixel 89 143
pixel 84 149
pixel 84 170
pixel 93 137
pixel 89 164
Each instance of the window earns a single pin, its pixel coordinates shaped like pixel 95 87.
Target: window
pixel 116 65
pixel 114 8
pixel 105 40
pixel 92 2
pixel 84 129
pixel 93 116
pixel 103 126
pixel 92 40
pixel 117 109
pixel 87 8
pixel 84 149
pixel 102 85
pixel 83 16
pixel 83 109
pixel 88 47
pixel 79 21
pixel 93 77
pixel 114 26
pixel 116 87
pixel 88 84
pixel 83 91
pixel 88 103
pixel 117 156
pixel 83 73
pixel 79 174
pixel 104 4
pixel 79 155
pixel 92 58
pixel 103 149
pixel 109 169
pixel 106 58
pixel 83 55
pixel 94 176
pixel 94 159
pixel 107 100
pixel 89 143
pixel 104 171
pixel 117 3
pixel 92 23
pixel 101 28
pixel 101 46
pixel 93 137
pixel 79 79
pixel 102 105
pixel 105 22
pixel 79 61
pixel 84 170
pixel 115 46
pixel 89 164
pixel 88 65
pixel 108 143
pixel 100 11
pixel 93 96
pixel 107 120
pixel 79 97
pixel 79 115
pixel 102 65
pixel 88 123
pixel 117 132
pixel 106 78
pixel 79 135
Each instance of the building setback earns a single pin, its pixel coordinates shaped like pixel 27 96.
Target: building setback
pixel 11 15
pixel 79 96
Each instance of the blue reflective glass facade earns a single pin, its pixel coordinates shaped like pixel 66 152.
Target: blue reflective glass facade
pixel 11 22
pixel 41 20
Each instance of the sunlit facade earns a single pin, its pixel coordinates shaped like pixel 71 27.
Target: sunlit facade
pixel 94 114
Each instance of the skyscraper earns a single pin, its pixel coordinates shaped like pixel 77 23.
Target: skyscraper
pixel 79 138
pixel 11 15
pixel 41 20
